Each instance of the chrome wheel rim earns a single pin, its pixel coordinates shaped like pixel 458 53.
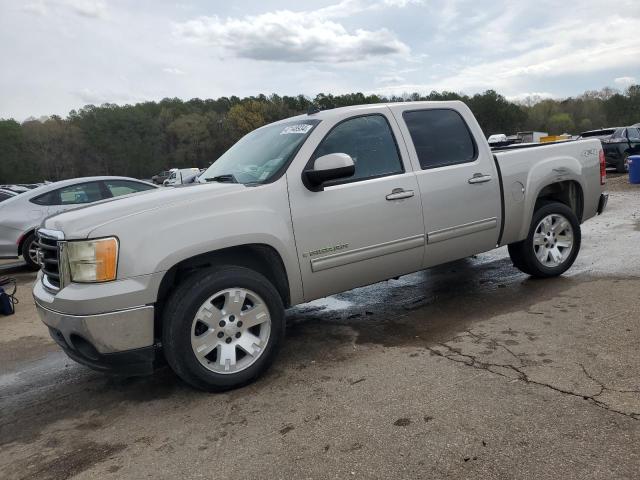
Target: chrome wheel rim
pixel 230 331
pixel 553 240
pixel 33 253
pixel 626 163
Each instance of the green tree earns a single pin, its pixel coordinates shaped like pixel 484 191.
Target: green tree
pixel 560 123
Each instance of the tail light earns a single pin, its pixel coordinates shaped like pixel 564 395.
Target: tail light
pixel 603 168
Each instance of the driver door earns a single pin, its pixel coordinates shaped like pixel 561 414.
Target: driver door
pixel 363 229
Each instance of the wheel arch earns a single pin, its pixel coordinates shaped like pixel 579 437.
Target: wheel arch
pixel 568 192
pixel 23 237
pixel 259 257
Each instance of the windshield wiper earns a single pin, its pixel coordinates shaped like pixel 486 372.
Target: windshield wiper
pixel 227 178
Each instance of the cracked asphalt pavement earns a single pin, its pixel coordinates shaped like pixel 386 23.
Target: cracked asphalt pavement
pixel 467 370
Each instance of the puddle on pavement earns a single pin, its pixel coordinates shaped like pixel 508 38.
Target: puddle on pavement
pixel 328 304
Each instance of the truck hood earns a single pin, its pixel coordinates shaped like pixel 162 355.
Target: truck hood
pixel 79 223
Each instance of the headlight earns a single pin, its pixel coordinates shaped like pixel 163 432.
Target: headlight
pixel 93 260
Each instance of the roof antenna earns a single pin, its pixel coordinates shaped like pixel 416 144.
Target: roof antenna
pixel 313 109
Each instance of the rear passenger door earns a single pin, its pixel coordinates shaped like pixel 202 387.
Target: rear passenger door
pixel 458 181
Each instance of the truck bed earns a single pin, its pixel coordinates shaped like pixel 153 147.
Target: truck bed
pixel 524 168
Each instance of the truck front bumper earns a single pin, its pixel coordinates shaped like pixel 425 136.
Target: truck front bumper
pixel 119 342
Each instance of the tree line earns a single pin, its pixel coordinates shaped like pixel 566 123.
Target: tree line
pixel 142 139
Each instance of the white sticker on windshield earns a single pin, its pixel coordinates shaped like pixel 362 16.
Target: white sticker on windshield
pixel 302 128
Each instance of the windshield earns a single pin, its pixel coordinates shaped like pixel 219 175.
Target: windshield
pixel 257 156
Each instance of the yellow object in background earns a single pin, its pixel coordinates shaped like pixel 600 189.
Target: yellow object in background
pixel 554 138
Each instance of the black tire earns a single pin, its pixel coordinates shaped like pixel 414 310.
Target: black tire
pixel 26 246
pixel 517 257
pixel 523 253
pixel 181 308
pixel 623 165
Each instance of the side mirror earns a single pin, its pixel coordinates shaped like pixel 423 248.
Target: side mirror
pixel 329 167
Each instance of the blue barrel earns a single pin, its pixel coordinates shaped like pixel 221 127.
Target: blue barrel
pixel 634 169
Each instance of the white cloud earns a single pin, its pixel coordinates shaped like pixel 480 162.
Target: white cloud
pixel 402 3
pixel 85 8
pixel 391 78
pixel 71 55
pixel 569 46
pixel 173 71
pixel 88 8
pixel 625 81
pixel 38 8
pixel 289 36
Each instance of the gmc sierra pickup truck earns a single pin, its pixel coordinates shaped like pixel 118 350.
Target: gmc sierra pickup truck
pixel 297 210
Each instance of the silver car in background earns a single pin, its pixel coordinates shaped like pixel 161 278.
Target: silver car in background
pixel 22 214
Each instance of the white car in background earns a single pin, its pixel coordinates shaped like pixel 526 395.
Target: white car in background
pixel 178 177
pixel 21 214
pixel 497 138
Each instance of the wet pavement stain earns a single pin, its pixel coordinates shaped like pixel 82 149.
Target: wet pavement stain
pixel 25 413
pixel 15 352
pixel 402 422
pixel 450 298
pixel 66 465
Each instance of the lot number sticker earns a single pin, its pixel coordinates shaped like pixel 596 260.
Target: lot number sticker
pixel 302 128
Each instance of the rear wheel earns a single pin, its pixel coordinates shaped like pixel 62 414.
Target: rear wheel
pixel 222 328
pixel 552 244
pixel 30 252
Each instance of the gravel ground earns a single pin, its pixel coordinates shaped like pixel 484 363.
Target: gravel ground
pixel 468 370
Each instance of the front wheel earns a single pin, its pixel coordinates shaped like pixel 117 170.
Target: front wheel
pixel 30 252
pixel 222 328
pixel 552 244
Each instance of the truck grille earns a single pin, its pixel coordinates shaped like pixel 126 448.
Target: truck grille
pixel 49 258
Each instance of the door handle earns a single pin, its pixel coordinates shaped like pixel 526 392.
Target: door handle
pixel 399 194
pixel 479 178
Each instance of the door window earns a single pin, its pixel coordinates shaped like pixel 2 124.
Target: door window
pixel 78 194
pixel 125 187
pixel 368 140
pixel 619 134
pixel 633 134
pixel 441 137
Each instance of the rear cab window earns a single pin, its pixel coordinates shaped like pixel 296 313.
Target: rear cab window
pixel 440 137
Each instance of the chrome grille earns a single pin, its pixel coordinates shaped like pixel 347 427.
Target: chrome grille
pixel 49 259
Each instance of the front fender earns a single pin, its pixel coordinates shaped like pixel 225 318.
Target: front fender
pixel 156 241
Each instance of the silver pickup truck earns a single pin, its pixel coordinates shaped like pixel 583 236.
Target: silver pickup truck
pixel 297 210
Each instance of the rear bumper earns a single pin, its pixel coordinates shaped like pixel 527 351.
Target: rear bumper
pixel 602 203
pixel 117 342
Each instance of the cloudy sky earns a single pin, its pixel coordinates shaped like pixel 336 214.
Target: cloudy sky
pixel 62 54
